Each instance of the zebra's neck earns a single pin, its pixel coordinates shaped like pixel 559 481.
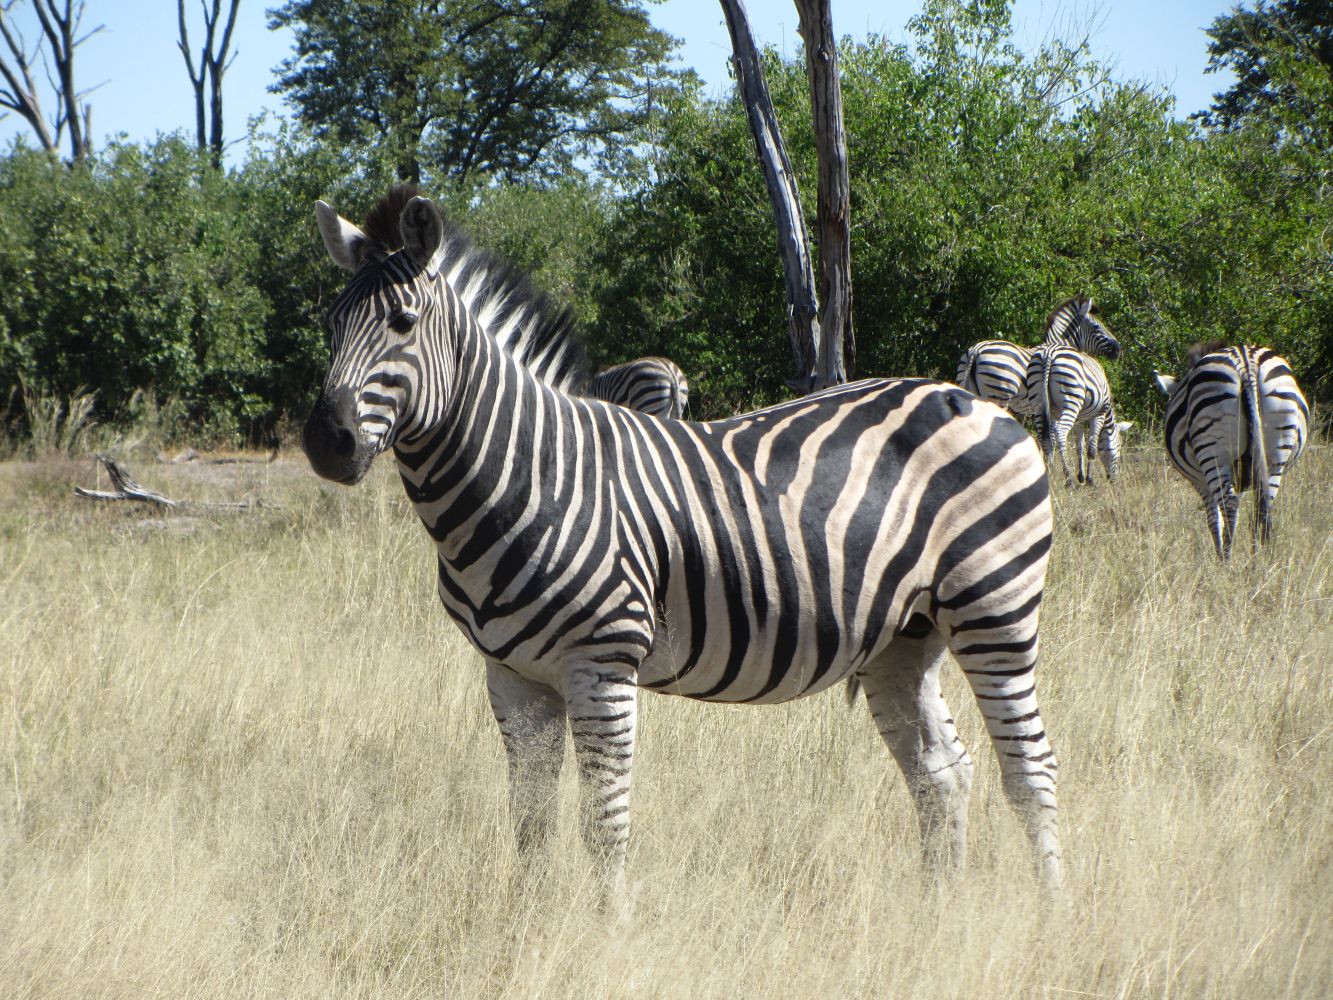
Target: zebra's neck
pixel 485 440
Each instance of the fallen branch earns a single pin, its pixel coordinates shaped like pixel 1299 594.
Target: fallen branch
pixel 127 489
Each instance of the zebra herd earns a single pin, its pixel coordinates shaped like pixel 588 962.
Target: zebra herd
pixel 586 549
pixel 1235 419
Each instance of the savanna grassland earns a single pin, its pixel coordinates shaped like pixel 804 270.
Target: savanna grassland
pixel 245 754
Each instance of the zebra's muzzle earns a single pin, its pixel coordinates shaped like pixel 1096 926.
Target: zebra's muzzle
pixel 331 440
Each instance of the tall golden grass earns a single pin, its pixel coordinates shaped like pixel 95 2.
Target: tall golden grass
pixel 247 755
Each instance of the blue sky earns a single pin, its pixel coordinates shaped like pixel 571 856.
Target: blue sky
pixel 142 88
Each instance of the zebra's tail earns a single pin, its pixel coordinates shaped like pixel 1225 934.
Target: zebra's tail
pixel 1253 414
pixel 968 376
pixel 1044 414
pixel 853 689
pixel 680 397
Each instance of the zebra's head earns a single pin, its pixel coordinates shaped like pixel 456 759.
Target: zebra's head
pixel 372 396
pixel 1078 323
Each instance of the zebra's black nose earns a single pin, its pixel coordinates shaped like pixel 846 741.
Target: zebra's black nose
pixel 330 438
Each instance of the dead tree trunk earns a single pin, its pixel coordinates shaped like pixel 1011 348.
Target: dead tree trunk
pixel 213 64
pixel 59 21
pixel 793 240
pixel 837 341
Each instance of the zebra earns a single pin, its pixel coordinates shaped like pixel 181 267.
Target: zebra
pixel 1236 418
pixel 649 385
pixel 995 369
pixel 1068 392
pixel 586 550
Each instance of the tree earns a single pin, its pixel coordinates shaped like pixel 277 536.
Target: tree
pixel 463 89
pixel 819 341
pixel 213 65
pixel 793 239
pixel 837 341
pixel 60 34
pixel 1282 55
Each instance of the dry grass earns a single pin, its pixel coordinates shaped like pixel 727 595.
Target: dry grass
pixel 247 755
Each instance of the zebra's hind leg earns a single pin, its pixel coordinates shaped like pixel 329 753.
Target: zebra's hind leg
pixel 603 708
pixel 998 654
pixel 532 723
pixel 902 687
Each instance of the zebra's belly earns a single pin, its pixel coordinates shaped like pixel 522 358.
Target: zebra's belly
pixel 771 667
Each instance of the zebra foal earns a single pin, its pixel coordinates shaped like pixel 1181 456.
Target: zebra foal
pixel 587 550
pixel 1235 419
pixel 649 385
pixel 996 369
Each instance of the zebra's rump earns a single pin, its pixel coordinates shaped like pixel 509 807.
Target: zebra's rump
pixel 1213 430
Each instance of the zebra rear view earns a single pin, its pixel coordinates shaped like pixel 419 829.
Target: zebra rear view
pixel 1235 419
pixel 995 369
pixel 650 385
pixel 587 550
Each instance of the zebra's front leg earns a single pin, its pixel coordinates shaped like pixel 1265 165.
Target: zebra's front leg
pixel 603 708
pixel 531 717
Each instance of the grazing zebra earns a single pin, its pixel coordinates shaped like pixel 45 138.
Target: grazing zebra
pixel 1067 391
pixel 995 369
pixel 649 385
pixel 586 549
pixel 1235 419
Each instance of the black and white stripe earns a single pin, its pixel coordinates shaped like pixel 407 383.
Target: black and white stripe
pixel 1235 419
pixel 587 550
pixel 650 385
pixel 996 369
pixel 1068 393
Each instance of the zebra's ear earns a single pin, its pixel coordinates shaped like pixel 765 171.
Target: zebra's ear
pixel 1164 382
pixel 1084 303
pixel 423 233
pixel 1124 426
pixel 346 244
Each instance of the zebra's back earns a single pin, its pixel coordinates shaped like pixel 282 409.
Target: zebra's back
pixel 651 385
pixel 994 370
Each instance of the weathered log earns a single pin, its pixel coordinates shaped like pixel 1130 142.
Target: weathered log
pixel 127 489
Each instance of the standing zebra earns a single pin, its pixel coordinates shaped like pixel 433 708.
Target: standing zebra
pixel 1235 419
pixel 995 369
pixel 587 549
pixel 649 385
pixel 1068 391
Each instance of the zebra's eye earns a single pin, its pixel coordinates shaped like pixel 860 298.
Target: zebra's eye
pixel 402 321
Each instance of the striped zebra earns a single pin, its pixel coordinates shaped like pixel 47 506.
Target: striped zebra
pixel 1236 419
pixel 586 550
pixel 1068 393
pixel 649 385
pixel 996 369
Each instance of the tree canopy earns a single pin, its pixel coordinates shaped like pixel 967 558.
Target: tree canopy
pixel 458 89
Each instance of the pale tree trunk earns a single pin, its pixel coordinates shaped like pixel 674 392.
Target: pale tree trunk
pixel 793 240
pixel 837 342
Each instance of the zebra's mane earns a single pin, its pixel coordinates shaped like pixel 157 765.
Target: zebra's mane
pixel 1203 348
pixel 526 322
pixel 1062 315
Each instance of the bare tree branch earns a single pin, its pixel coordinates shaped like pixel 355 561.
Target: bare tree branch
pixel 59 21
pixel 206 76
